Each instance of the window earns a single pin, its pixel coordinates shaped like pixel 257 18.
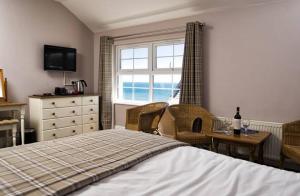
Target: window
pixel 149 72
pixel 134 58
pixel 169 56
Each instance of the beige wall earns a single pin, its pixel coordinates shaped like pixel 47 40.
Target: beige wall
pixel 252 60
pixel 25 26
pixel 120 113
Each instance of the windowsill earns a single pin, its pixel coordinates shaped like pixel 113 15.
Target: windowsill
pixel 120 102
pixel 136 103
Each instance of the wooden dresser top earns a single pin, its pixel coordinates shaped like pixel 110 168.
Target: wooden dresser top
pixel 5 104
pixel 60 96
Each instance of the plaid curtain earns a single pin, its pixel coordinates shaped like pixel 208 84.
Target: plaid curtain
pixel 192 71
pixel 105 81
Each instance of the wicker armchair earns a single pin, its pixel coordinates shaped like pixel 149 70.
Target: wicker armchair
pixel 177 122
pixel 290 142
pixel 145 118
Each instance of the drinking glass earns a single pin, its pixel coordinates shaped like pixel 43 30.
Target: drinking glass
pixel 246 124
pixel 227 124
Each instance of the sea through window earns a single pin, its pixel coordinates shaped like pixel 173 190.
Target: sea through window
pixel 149 72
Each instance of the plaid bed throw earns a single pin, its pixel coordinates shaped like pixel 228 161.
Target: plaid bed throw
pixel 64 165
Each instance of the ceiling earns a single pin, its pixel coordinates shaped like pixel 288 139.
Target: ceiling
pixel 101 15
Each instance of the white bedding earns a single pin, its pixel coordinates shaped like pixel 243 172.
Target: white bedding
pixel 192 171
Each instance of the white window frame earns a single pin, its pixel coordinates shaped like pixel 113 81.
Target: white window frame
pixel 174 42
pixel 151 71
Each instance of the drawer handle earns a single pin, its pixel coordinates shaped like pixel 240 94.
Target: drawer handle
pixel 53 113
pixel 91 109
pixel 74 121
pixel 91 100
pixel 73 111
pixel 73 101
pixel 91 118
pixel 53 103
pixel 53 124
pixel 91 127
pixel 54 134
pixel 74 131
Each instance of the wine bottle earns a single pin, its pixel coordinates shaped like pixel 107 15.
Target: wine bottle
pixel 237 122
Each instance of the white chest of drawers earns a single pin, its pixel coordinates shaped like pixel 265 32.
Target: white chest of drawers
pixel 56 117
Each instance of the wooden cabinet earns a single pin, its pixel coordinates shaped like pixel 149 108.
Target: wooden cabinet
pixel 61 112
pixel 62 132
pixel 61 102
pixel 90 109
pixel 56 117
pixel 90 100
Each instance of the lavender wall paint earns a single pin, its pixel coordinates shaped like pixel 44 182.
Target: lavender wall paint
pixel 25 26
pixel 252 60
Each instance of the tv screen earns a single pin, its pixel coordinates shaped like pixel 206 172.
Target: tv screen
pixel 59 58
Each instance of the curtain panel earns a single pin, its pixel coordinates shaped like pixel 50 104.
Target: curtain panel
pixel 192 68
pixel 105 80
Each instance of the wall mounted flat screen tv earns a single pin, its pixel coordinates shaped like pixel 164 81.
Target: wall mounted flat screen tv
pixel 59 58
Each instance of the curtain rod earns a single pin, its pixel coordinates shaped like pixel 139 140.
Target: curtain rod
pixel 152 33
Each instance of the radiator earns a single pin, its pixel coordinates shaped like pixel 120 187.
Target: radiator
pixel 273 143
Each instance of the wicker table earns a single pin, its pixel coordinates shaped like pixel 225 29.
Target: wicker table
pixel 251 141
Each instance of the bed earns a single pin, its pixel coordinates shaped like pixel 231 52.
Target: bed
pixel 121 162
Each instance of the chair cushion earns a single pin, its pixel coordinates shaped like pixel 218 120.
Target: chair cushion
pixel 193 138
pixel 293 152
pixel 9 122
pixel 132 126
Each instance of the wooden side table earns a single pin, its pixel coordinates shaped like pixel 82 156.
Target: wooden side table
pixel 10 125
pixel 251 141
pixel 10 106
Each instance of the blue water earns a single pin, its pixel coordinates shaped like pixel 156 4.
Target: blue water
pixel 141 94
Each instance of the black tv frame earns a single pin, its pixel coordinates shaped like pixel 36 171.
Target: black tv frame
pixel 63 49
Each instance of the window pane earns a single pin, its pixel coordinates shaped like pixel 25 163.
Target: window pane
pixel 140 63
pixel 176 80
pixel 126 64
pixel 125 81
pixel 126 53
pixel 141 94
pixel 161 94
pixel 126 94
pixel 178 49
pixel 162 51
pixel 140 52
pixel 141 81
pixel 125 87
pixel 162 81
pixel 178 62
pixel 164 62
